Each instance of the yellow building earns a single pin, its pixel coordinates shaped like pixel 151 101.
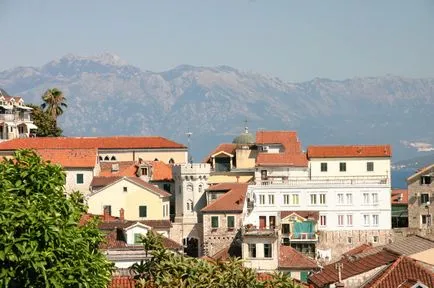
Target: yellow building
pixel 139 199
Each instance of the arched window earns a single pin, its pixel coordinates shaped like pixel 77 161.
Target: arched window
pixel 100 158
pixel 113 158
pixel 190 205
pixel 156 159
pixel 171 161
pixel 189 187
pixel 106 158
pixel 200 188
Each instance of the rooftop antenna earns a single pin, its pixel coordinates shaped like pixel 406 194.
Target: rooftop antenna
pixel 246 128
pixel 189 133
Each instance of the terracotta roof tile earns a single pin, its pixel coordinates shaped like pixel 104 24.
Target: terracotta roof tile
pixel 122 282
pixel 233 200
pixel 126 168
pixel 292 154
pixel 349 151
pixel 101 182
pixel 305 214
pixel 224 147
pixel 161 171
pixel 70 158
pixel 352 266
pixel 403 271
pixel 115 142
pixel 289 258
pixel 399 196
pixel 359 249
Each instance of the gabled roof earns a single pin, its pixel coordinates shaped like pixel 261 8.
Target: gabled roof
pixel 342 151
pixel 314 215
pixel 231 201
pixel 70 158
pixel 161 171
pixel 292 154
pixel 352 266
pixel 227 148
pixel 404 272
pixel 399 196
pixel 410 245
pixel 425 170
pixel 126 168
pixel 289 258
pixel 359 249
pixel 114 142
pixel 104 182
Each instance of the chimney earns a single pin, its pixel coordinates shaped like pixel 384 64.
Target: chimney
pixel 115 167
pixel 121 214
pixel 107 212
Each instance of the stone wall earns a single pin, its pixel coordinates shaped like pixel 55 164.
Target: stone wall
pixel 358 280
pixel 415 207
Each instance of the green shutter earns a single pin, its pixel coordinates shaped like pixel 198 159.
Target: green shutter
pixel 80 179
pixel 142 211
pixel 214 221
pixel 231 221
pixel 137 238
pixel 303 276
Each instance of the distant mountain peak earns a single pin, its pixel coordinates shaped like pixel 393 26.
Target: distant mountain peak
pixel 105 58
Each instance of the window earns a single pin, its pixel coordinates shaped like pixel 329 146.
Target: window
pixel 340 220
pixel 262 199
pixel 349 198
pixel 349 220
pixel 370 166
pixel 286 199
pixel 312 198
pixel 340 198
pixel 323 167
pixel 263 174
pixel 322 198
pixel 303 276
pixel 252 250
pixel 374 198
pixel 80 178
pixel 425 180
pixel 107 209
pixel 171 161
pixel 342 167
pixel 213 196
pixel 190 205
pixel 375 239
pixel 214 222
pixel 426 220
pixel 271 199
pixel 143 211
pixel 285 228
pixel 137 238
pixel 295 199
pixel 267 251
pixel 323 220
pixel 350 240
pixel 125 189
pixel 165 210
pixel 365 198
pixel 106 158
pixel 375 220
pixel 200 188
pixel 366 220
pixel 231 222
pixel 166 187
pixel 113 158
pixel 144 171
pixel 424 198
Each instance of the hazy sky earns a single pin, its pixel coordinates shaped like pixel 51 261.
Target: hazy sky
pixel 293 40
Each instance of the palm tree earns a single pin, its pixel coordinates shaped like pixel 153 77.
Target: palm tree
pixel 54 102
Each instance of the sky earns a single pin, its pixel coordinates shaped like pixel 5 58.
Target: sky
pixel 292 40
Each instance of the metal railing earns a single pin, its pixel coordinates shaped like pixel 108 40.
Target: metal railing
pixel 299 181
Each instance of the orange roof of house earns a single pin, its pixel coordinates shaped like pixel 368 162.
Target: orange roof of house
pixel 404 272
pixel 289 258
pixel 396 194
pixel 292 155
pixel 161 171
pixel 126 168
pixel 122 282
pixel 233 200
pixel 70 158
pixel 224 147
pixel 114 142
pixel 349 151
pixel 101 182
pixel 359 249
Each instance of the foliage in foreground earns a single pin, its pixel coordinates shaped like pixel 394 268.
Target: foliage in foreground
pixel 168 269
pixel 41 243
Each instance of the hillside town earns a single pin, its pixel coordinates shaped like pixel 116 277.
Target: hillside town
pixel 325 215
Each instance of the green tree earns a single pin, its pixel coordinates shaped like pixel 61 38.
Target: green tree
pixel 41 243
pixel 54 102
pixel 47 126
pixel 168 269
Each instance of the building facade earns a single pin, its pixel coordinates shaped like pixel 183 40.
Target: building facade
pixel 421 199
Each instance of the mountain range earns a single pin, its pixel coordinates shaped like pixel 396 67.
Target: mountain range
pixel 107 96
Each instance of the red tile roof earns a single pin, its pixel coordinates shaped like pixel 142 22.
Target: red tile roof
pixel 400 273
pixel 305 214
pixel 232 201
pixel 352 266
pixel 349 151
pixel 397 194
pixel 359 249
pixel 161 171
pixel 292 154
pixel 100 182
pixel 126 168
pixel 70 158
pixel 263 277
pixel 115 142
pixel 122 282
pixel 224 147
pixel 289 258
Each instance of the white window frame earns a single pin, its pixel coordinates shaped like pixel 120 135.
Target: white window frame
pixel 341 220
pixel 321 218
pixel 295 196
pixel 271 199
pixel 375 220
pixel 261 199
pixel 286 199
pixel 349 196
pixel 322 199
pixel 366 217
pixel 313 197
pixel 340 199
pixel 349 220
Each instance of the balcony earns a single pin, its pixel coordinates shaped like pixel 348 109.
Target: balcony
pixel 301 237
pixel 325 181
pixel 250 230
pixel 15 117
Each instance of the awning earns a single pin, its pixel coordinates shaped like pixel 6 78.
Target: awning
pixel 25 108
pixel 31 126
pixel 6 106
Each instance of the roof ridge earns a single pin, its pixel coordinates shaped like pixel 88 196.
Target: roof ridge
pixel 388 271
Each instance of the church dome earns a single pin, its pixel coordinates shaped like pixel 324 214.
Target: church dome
pixel 244 138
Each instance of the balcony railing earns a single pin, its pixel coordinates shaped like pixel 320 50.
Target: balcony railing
pixel 303 236
pixel 261 231
pixel 15 117
pixel 305 181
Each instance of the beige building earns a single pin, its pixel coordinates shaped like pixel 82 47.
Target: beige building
pixel 139 199
pixel 115 148
pixel 421 199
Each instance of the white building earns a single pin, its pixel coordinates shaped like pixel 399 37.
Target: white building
pixel 349 186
